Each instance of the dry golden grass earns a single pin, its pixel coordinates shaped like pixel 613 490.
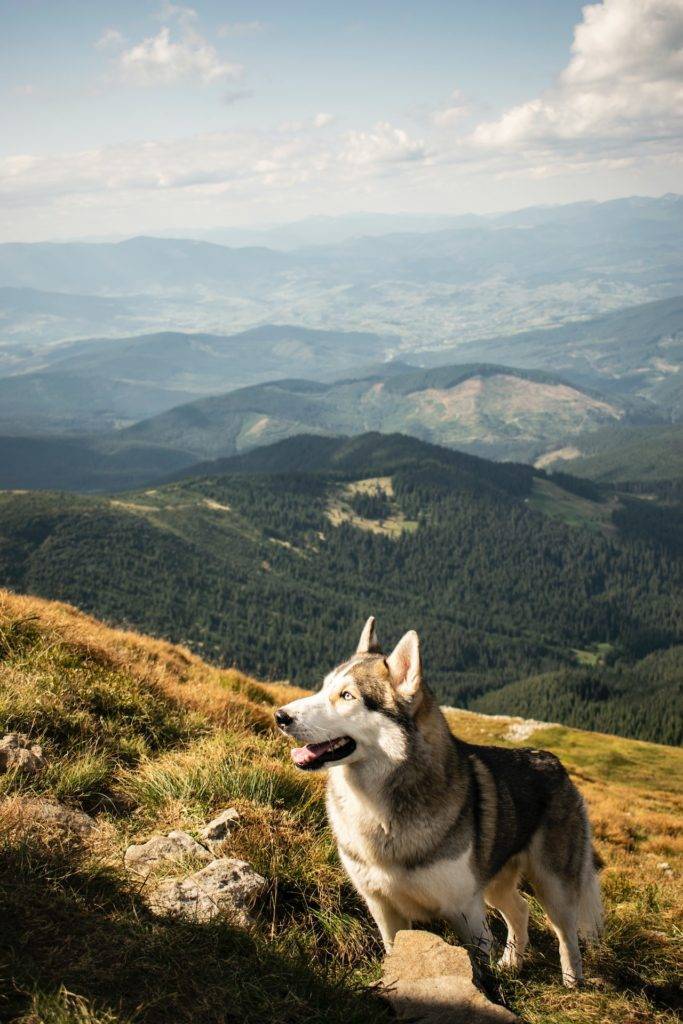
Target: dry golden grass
pixel 148 737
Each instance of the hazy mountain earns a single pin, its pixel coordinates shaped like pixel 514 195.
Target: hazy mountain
pixel 39 317
pixel 472 278
pixel 486 409
pixel 634 353
pixel 63 402
pixel 103 383
pixel 504 571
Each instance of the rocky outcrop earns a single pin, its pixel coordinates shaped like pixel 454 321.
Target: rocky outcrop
pixel 225 886
pixel 428 981
pixel 142 857
pixel 19 754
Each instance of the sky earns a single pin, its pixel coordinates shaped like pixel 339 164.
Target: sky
pixel 137 117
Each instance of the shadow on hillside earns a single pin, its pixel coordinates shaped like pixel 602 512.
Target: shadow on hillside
pixel 67 926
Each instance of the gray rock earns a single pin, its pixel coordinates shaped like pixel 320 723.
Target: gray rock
pixel 217 831
pixel 225 886
pixel 68 819
pixel 427 981
pixel 142 857
pixel 17 752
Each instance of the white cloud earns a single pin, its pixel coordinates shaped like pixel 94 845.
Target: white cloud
pixel 111 39
pixel 381 145
pixel 175 54
pixel 451 114
pixel 623 84
pixel 240 28
pixel 322 120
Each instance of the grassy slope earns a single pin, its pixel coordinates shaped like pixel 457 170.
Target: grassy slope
pixel 635 453
pixel 147 737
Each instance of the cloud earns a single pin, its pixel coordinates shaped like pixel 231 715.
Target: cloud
pixel 166 58
pixel 322 120
pixel 240 28
pixel 457 109
pixel 381 145
pixel 623 84
pixel 111 39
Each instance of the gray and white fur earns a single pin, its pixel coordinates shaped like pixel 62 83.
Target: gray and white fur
pixel 431 827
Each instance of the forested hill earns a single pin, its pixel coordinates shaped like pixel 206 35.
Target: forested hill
pixel 521 584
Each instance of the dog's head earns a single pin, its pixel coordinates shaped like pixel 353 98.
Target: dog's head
pixel 364 709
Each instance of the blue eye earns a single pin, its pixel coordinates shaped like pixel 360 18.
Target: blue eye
pixel 347 695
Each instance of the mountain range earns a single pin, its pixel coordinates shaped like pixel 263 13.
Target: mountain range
pixel 270 559
pixel 468 279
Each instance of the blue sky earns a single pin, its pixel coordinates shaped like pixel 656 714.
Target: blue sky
pixel 149 116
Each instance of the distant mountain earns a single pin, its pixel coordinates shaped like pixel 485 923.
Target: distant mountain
pixel 490 410
pixel 463 279
pixel 102 383
pixel 505 571
pixel 633 354
pixel 624 454
pixel 130 267
pixel 38 317
pixel 52 402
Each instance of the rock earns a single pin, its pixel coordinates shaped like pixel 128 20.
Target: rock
pixel 67 818
pixel 223 887
pixel 17 752
pixel 427 981
pixel 143 857
pixel 220 828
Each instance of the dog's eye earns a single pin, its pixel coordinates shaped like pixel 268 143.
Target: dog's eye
pixel 347 695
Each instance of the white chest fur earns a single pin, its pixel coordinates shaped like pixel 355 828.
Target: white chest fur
pixel 369 844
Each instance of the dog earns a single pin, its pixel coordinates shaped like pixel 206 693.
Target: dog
pixel 431 827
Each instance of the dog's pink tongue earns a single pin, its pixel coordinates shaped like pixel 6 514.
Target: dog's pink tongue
pixel 304 755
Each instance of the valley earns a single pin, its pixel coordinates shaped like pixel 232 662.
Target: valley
pixel 269 561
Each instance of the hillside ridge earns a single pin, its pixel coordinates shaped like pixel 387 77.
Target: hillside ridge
pixel 144 737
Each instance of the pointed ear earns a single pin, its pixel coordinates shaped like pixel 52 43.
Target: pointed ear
pixel 368 643
pixel 405 665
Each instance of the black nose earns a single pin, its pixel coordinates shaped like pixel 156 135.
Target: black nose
pixel 282 718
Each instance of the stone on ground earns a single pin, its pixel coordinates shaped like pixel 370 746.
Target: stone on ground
pixel 143 857
pixel 218 830
pixel 69 819
pixel 428 981
pixel 17 752
pixel 225 886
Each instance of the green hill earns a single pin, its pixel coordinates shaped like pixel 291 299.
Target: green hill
pixel 632 354
pixel 629 453
pixel 508 573
pixel 145 737
pixel 490 410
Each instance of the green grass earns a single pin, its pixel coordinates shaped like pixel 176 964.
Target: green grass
pixel 149 738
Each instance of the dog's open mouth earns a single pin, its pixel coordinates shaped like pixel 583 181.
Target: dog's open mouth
pixel 315 755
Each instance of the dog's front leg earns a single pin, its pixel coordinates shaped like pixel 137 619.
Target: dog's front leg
pixel 387 918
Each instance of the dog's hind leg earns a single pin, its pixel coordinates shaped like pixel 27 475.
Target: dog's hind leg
pixel 387 918
pixel 560 902
pixel 502 894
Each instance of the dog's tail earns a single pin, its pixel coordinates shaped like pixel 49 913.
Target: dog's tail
pixel 590 902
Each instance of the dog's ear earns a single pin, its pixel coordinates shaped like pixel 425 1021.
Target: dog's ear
pixel 368 643
pixel 405 665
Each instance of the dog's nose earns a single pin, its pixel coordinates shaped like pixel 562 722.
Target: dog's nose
pixel 283 717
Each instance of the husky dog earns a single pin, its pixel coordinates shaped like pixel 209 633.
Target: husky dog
pixel 429 826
